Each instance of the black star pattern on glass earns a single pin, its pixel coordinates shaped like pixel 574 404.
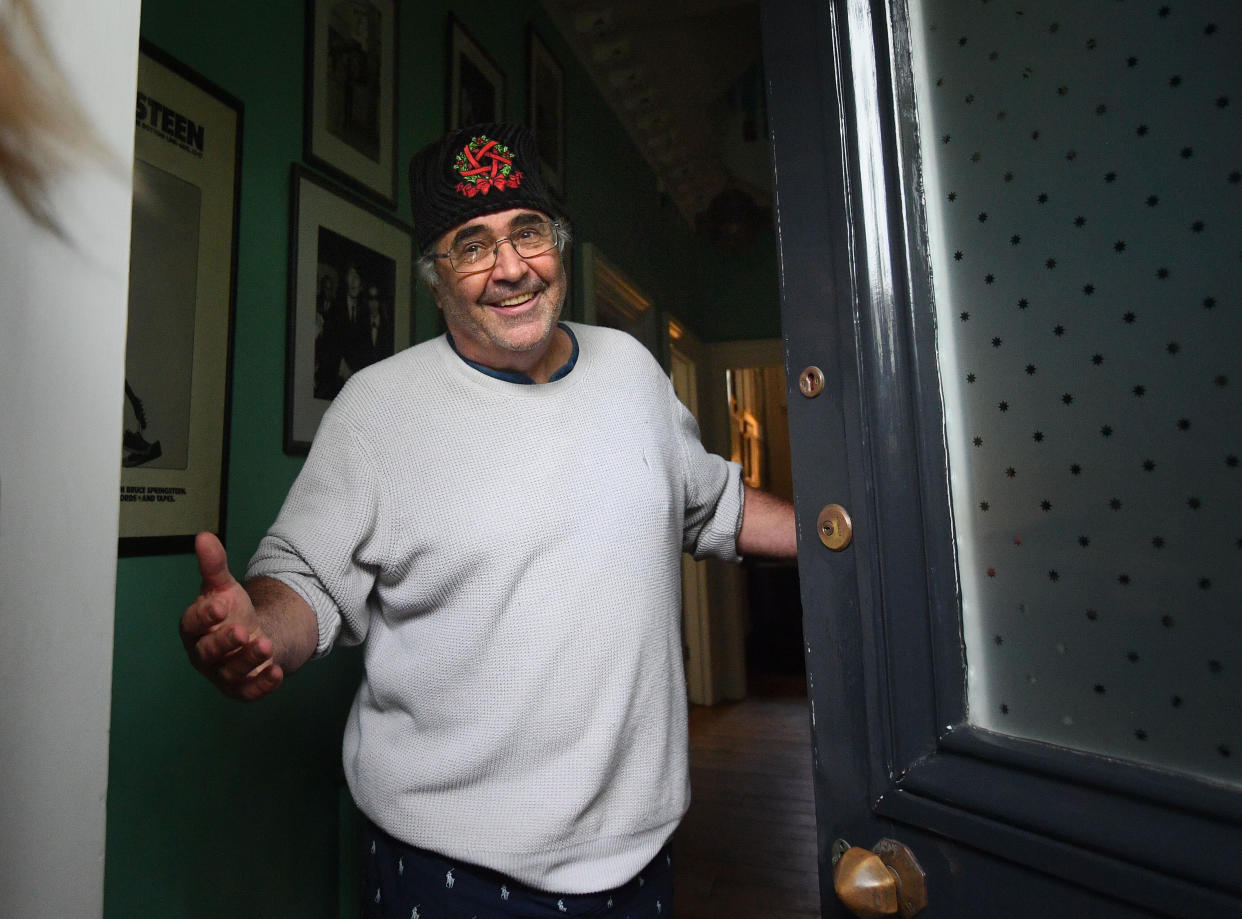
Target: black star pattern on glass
pixel 978 441
pixel 1030 370
pixel 1088 289
pixel 1075 469
pixel 1011 472
pixel 1080 221
pixel 958 255
pixel 1115 504
pixel 1119 246
pixel 1043 198
pixel 1162 273
pixel 1167 621
pixel 1045 505
pixel 1054 575
pixel 1140 733
pixel 1205 583
pixel 1110 177
pixel 1023 303
pixel 996 342
pixel 1003 406
pixel 1097 359
pixel 1058 330
pixel 1194 503
pixel 1067 398
pixel 1093 615
pixel 1050 264
pixel 1015 239
pixel 1107 430
pixel 965 316
pixel 1141 130
pixel 1197 226
pixel 1128 318
pixel 984 505
pixel 1140 390
pixel 1183 424
pixel 1149 465
pixel 983 217
pixel 1157 542
pixel 1173 347
pixel 1123 580
pixel 1132 657
pixel 1084 541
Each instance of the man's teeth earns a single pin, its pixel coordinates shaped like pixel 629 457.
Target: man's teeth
pixel 514 301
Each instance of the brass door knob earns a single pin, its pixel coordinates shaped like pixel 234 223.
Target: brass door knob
pixel 885 880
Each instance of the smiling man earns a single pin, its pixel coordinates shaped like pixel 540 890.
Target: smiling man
pixel 498 514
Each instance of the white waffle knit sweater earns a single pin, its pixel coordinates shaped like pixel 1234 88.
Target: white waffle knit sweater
pixel 510 555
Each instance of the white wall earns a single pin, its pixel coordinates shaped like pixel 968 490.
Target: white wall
pixel 62 342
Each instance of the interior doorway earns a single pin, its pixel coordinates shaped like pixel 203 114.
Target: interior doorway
pixel 759 441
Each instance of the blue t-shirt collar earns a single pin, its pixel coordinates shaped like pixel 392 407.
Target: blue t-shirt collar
pixel 510 376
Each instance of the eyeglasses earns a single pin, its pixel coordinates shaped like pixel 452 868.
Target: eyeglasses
pixel 479 253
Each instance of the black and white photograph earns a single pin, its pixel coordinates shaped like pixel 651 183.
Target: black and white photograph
pixel 182 289
pixel 353 310
pixel 350 297
pixel 476 82
pixel 545 110
pixel 350 125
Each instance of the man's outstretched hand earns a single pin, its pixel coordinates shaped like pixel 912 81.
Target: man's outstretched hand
pixel 222 633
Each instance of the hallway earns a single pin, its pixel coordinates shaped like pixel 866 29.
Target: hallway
pixel 746 849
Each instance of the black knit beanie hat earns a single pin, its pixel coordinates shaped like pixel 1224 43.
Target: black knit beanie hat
pixel 476 170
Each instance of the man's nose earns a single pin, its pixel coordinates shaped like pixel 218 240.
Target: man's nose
pixel 509 265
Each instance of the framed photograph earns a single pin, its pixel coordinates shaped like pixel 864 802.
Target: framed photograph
pixel 476 82
pixel 351 296
pixel 350 125
pixel 545 110
pixel 182 292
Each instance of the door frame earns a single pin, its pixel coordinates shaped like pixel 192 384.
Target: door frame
pixel 874 441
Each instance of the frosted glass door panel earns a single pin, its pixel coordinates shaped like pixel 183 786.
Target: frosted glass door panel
pixel 1083 187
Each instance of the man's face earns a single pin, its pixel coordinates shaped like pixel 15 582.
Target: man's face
pixel 504 317
pixel 355 281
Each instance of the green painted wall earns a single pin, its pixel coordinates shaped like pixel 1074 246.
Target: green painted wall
pixel 220 809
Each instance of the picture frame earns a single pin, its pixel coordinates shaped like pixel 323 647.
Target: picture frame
pixel 545 110
pixel 476 82
pixel 350 95
pixel 182 301
pixel 351 296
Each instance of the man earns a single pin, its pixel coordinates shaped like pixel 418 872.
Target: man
pixel 498 514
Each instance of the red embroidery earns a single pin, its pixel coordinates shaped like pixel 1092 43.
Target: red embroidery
pixel 485 164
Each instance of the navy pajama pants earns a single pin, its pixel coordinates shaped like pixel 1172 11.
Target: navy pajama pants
pixel 403 882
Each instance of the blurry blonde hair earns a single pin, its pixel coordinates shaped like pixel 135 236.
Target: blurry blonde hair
pixel 43 131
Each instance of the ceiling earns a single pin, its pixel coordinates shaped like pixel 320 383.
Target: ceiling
pixel 685 79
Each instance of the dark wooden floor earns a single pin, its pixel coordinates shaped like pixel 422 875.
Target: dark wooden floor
pixel 746 849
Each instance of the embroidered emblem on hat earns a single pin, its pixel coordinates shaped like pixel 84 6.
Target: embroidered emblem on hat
pixel 484 164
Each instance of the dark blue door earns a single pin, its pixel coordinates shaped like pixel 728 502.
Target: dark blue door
pixel 1009 242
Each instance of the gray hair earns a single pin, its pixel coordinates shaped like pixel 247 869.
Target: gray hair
pixel 425 266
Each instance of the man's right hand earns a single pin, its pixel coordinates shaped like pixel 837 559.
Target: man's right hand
pixel 222 633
